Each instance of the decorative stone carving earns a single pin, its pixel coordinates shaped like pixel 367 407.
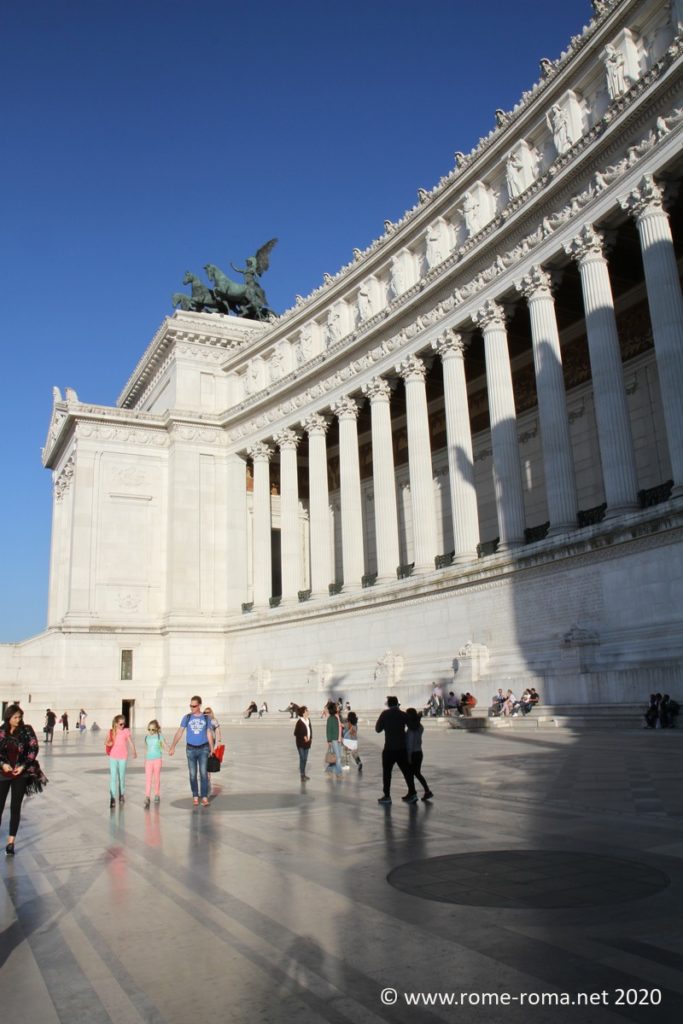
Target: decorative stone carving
pixel 345 408
pixel 580 636
pixel 647 197
pixel 587 244
pixel 614 62
pixel 377 388
pixel 62 480
pixel 320 675
pixel 412 368
pixel 437 248
pixel 315 424
pixel 287 439
pixel 536 281
pixel 260 452
pixel 489 314
pixel 450 343
pixel 389 668
pixel 478 208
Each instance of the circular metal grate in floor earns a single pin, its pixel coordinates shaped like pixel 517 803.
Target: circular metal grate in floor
pixel 528 879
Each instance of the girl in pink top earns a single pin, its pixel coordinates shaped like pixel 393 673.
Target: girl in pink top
pixel 118 741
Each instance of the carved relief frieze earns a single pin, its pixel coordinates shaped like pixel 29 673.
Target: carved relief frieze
pixel 123 433
pixel 62 480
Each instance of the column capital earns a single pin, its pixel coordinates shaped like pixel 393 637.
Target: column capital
pixel 450 344
pixel 260 452
pixel 491 314
pixel 378 389
pixel 647 198
pixel 345 408
pixel 316 423
pixel 588 245
pixel 287 439
pixel 412 368
pixel 536 284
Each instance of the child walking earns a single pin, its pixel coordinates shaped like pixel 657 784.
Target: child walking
pixel 350 740
pixel 155 743
pixel 117 743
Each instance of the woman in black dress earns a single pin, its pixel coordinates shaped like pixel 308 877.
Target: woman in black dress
pixel 18 750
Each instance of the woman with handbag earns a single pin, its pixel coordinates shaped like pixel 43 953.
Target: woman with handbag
pixel 350 741
pixel 303 735
pixel 18 750
pixel 333 734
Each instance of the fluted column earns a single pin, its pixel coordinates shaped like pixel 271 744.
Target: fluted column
pixel 422 498
pixel 262 560
pixel 609 395
pixel 451 347
pixel 507 473
pixel 319 505
pixel 346 411
pixel 290 548
pixel 378 392
pixel 560 480
pixel 666 310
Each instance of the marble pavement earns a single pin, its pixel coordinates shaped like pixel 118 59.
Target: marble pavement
pixel 547 864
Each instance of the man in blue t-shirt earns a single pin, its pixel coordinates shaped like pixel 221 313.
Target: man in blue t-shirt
pixel 200 741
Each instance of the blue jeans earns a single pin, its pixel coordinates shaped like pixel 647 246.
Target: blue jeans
pixel 303 758
pixel 336 768
pixel 197 758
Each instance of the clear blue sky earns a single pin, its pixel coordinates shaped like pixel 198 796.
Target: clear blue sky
pixel 143 138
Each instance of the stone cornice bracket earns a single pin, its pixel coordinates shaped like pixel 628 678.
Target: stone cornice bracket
pixel 491 314
pixel 63 480
pixel 648 198
pixel 260 452
pixel 536 284
pixel 412 368
pixel 587 246
pixel 450 344
pixel 316 423
pixel 287 439
pixel 378 389
pixel 345 409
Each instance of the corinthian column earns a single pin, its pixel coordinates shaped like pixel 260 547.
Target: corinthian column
pixel 611 411
pixel 287 441
pixel 507 473
pixel 451 348
pixel 383 478
pixel 666 310
pixel 346 411
pixel 422 500
pixel 560 482
pixel 262 559
pixel 319 505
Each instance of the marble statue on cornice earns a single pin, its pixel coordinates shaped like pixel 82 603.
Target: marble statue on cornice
pixel 616 77
pixel 557 122
pixel 470 212
pixel 514 175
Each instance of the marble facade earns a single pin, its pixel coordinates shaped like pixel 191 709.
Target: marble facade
pixel 461 457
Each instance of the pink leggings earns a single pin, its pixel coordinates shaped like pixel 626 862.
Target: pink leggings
pixel 153 776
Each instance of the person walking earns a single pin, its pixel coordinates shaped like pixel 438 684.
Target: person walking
pixel 414 749
pixel 116 745
pixel 82 715
pixel 303 736
pixel 154 744
pixel 199 744
pixel 333 734
pixel 65 722
pixel 392 722
pixel 50 723
pixel 18 751
pixel 350 740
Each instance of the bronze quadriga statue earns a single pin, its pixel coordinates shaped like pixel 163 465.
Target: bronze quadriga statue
pixel 247 299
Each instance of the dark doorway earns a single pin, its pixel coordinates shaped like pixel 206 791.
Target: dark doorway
pixel 128 712
pixel 276 564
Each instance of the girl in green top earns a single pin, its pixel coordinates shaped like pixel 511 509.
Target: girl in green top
pixel 333 735
pixel 154 743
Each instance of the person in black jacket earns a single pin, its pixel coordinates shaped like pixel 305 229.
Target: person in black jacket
pixel 18 749
pixel 392 722
pixel 303 734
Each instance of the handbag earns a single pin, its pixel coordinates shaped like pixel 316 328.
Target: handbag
pixel 219 751
pixel 330 757
pixel 36 779
pixel 109 743
pixel 213 764
pixel 350 743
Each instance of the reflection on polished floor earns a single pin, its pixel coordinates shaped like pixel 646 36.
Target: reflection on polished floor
pixel 273 904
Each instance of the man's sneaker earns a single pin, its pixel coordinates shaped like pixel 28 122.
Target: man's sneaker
pixel 409 798
pixel 428 795
pixel 384 800
pixel 146 802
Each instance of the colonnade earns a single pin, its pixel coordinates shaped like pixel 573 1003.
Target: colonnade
pixel 614 438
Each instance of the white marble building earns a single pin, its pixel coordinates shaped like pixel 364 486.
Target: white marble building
pixel 460 458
